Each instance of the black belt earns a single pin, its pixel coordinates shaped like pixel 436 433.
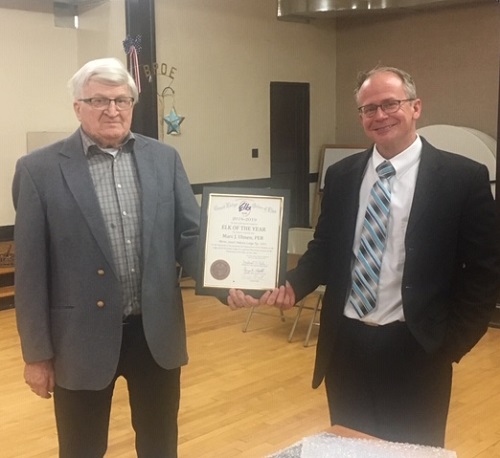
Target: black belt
pixel 375 325
pixel 132 319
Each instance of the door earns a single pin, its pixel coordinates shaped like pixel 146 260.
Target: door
pixel 290 146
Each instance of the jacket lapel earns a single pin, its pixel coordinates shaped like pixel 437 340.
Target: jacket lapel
pixel 426 187
pixel 148 179
pixel 75 169
pixel 350 183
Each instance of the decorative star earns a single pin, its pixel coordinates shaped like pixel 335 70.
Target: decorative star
pixel 173 121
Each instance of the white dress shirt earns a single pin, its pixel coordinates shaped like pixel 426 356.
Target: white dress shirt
pixel 389 307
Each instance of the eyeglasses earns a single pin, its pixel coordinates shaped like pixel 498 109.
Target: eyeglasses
pixel 102 103
pixel 391 106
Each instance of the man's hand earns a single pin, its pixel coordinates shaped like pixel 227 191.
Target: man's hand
pixel 282 297
pixel 40 378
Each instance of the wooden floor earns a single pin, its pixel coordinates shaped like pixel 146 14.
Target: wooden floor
pixel 244 394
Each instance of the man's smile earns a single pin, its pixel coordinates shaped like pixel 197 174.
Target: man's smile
pixel 383 129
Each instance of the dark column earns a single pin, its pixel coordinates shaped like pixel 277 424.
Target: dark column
pixel 140 17
pixel 497 187
pixel 495 319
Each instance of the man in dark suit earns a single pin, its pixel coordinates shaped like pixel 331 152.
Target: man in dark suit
pixel 407 294
pixel 102 218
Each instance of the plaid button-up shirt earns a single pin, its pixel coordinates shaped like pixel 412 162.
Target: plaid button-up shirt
pixel 118 190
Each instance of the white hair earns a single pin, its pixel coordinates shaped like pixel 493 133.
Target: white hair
pixel 108 71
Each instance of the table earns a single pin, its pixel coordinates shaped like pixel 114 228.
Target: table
pixel 345 444
pixel 343 431
pixel 294 450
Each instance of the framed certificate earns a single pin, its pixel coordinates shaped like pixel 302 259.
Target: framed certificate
pixel 243 240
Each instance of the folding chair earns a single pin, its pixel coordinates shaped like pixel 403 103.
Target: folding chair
pixel 298 238
pixel 320 291
pixel 251 313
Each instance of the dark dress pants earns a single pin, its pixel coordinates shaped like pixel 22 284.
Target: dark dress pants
pixel 383 383
pixel 82 417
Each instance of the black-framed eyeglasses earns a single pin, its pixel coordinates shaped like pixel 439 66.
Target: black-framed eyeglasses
pixel 391 106
pixel 101 103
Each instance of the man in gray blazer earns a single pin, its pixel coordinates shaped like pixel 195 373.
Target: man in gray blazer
pixel 411 268
pixel 102 219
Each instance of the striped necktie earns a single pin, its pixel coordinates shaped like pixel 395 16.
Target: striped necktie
pixel 366 272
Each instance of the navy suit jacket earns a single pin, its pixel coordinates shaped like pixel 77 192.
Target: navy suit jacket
pixel 452 245
pixel 68 294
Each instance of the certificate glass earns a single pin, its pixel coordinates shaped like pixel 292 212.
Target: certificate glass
pixel 243 240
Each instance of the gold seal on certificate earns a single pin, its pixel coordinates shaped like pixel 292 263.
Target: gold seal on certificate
pixel 220 269
pixel 242 240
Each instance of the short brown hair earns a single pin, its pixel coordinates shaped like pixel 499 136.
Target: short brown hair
pixel 406 78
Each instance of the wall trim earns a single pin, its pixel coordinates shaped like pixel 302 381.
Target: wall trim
pixel 253 183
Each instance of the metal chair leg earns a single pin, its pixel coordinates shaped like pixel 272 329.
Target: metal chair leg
pixel 250 314
pixel 313 321
pixel 245 327
pixel 300 306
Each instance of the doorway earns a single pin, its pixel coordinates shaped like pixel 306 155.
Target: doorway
pixel 290 146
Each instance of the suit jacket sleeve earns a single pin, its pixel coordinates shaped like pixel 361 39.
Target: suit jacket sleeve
pixel 187 217
pixel 32 268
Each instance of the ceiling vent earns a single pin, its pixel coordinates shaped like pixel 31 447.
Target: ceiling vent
pixel 46 6
pixel 64 11
pixel 314 9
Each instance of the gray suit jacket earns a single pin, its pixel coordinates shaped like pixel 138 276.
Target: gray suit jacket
pixel 452 245
pixel 68 295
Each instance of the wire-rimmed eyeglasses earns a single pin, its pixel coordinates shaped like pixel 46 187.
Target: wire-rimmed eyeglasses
pixel 391 106
pixel 101 103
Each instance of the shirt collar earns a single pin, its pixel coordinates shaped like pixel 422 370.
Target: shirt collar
pixel 403 161
pixel 90 146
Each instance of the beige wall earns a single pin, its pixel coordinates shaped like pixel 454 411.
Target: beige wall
pixel 453 55
pixel 39 58
pixel 226 53
pixel 101 32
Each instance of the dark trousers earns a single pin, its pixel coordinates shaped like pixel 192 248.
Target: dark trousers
pixel 383 383
pixel 82 417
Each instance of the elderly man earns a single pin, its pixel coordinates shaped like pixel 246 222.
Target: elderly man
pixel 102 219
